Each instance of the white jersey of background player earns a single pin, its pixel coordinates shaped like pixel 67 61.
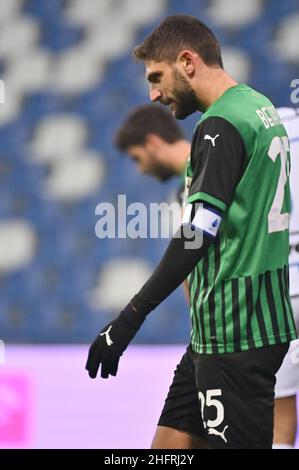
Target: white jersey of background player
pixel 287 384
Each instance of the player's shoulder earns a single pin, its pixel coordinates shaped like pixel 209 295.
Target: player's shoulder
pixel 288 113
pixel 290 119
pixel 214 130
pixel 236 103
pixel 240 105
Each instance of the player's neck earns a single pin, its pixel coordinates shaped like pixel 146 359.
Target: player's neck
pixel 214 84
pixel 180 152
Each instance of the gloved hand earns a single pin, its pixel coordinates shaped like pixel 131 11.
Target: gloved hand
pixel 112 341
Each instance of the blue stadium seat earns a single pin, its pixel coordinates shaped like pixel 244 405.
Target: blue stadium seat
pixel 58 36
pixel 44 10
pixel 39 104
pixel 276 10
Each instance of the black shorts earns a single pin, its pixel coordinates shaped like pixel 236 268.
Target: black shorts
pixel 226 398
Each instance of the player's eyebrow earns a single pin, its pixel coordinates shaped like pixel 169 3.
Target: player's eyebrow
pixel 152 77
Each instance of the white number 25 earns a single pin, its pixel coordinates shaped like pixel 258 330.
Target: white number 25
pixel 276 220
pixel 210 401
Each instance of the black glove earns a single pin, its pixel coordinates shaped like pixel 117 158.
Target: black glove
pixel 112 341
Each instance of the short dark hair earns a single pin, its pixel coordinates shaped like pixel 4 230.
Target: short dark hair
pixel 144 120
pixel 176 33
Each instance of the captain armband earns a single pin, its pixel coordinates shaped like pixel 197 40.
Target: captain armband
pixel 202 218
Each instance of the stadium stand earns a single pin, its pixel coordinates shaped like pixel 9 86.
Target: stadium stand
pixel 69 80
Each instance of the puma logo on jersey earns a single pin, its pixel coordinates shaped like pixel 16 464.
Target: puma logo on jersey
pixel 218 433
pixel 212 139
pixel 106 334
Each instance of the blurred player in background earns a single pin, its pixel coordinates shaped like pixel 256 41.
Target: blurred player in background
pixel 287 385
pixel 154 141
pixel 242 320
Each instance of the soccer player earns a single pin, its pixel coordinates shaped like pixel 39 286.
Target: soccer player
pixel 287 385
pixel 155 142
pixel 238 206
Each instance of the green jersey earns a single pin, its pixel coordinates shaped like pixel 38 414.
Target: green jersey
pixel 239 166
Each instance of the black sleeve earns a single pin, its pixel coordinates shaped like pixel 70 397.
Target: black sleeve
pixel 218 160
pixel 180 194
pixel 184 251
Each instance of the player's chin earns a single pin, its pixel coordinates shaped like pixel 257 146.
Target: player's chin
pixel 163 177
pixel 180 113
pixel 180 116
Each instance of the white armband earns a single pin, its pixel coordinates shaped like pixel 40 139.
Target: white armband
pixel 205 219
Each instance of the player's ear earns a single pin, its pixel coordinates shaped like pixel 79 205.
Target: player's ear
pixel 186 62
pixel 154 141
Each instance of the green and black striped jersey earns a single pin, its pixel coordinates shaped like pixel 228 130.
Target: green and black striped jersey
pixel 240 164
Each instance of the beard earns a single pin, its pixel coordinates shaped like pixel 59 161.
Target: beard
pixel 184 101
pixel 161 172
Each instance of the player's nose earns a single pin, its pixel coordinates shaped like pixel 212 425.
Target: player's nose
pixel 155 95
